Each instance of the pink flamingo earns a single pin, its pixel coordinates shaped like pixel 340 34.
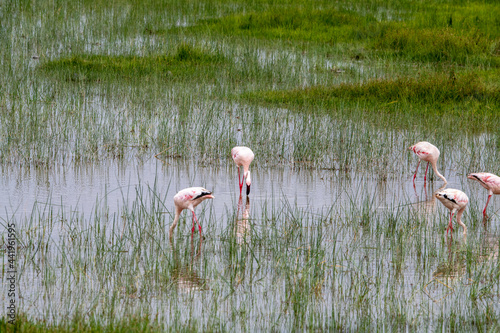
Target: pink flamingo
pixel 490 182
pixel 189 198
pixel 243 156
pixel 426 152
pixel 455 201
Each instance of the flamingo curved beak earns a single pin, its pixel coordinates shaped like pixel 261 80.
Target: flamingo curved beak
pixel 248 189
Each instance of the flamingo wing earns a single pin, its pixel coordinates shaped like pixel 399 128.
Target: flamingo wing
pixel 242 155
pixel 494 182
pixel 192 195
pixel 488 180
pixel 452 198
pixel 424 150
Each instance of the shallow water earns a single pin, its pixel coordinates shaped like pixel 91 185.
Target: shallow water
pixel 81 187
pixel 322 204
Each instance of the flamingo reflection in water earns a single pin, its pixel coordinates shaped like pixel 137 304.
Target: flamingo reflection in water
pixel 449 272
pixel 183 272
pixel 428 205
pixel 242 225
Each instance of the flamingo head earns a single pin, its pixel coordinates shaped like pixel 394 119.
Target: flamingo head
pixel 248 181
pixel 472 176
pixel 205 194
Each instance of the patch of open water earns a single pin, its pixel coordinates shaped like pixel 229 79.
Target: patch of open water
pixel 82 186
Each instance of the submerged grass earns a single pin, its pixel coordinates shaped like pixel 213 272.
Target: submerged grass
pixel 351 266
pixel 79 323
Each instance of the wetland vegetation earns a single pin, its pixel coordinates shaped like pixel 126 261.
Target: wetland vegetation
pixel 329 96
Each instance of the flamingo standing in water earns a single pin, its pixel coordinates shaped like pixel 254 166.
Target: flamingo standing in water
pixel 189 198
pixel 490 182
pixel 243 156
pixel 426 152
pixel 455 201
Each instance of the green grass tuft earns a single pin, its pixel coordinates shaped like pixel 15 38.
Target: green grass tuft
pixel 327 26
pixel 437 88
pixel 436 98
pixel 185 62
pixel 439 44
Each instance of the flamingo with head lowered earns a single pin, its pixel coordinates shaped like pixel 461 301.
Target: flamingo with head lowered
pixel 429 153
pixel 490 182
pixel 455 201
pixel 189 198
pixel 243 156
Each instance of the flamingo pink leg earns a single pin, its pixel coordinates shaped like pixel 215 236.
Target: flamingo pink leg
pixel 199 225
pixel 415 175
pixel 450 225
pixel 487 202
pixel 425 177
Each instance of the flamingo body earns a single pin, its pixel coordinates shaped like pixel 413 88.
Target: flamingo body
pixel 189 198
pixel 456 201
pixel 243 156
pixel 489 181
pixel 429 153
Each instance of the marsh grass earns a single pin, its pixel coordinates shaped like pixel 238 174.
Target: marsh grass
pixel 140 94
pixel 113 269
pixel 90 82
pixel 81 324
pixel 433 33
pixel 436 89
pixel 436 44
pixel 298 24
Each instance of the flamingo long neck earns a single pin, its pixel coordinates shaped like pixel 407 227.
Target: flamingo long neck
pixel 246 167
pixel 247 177
pixel 434 167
